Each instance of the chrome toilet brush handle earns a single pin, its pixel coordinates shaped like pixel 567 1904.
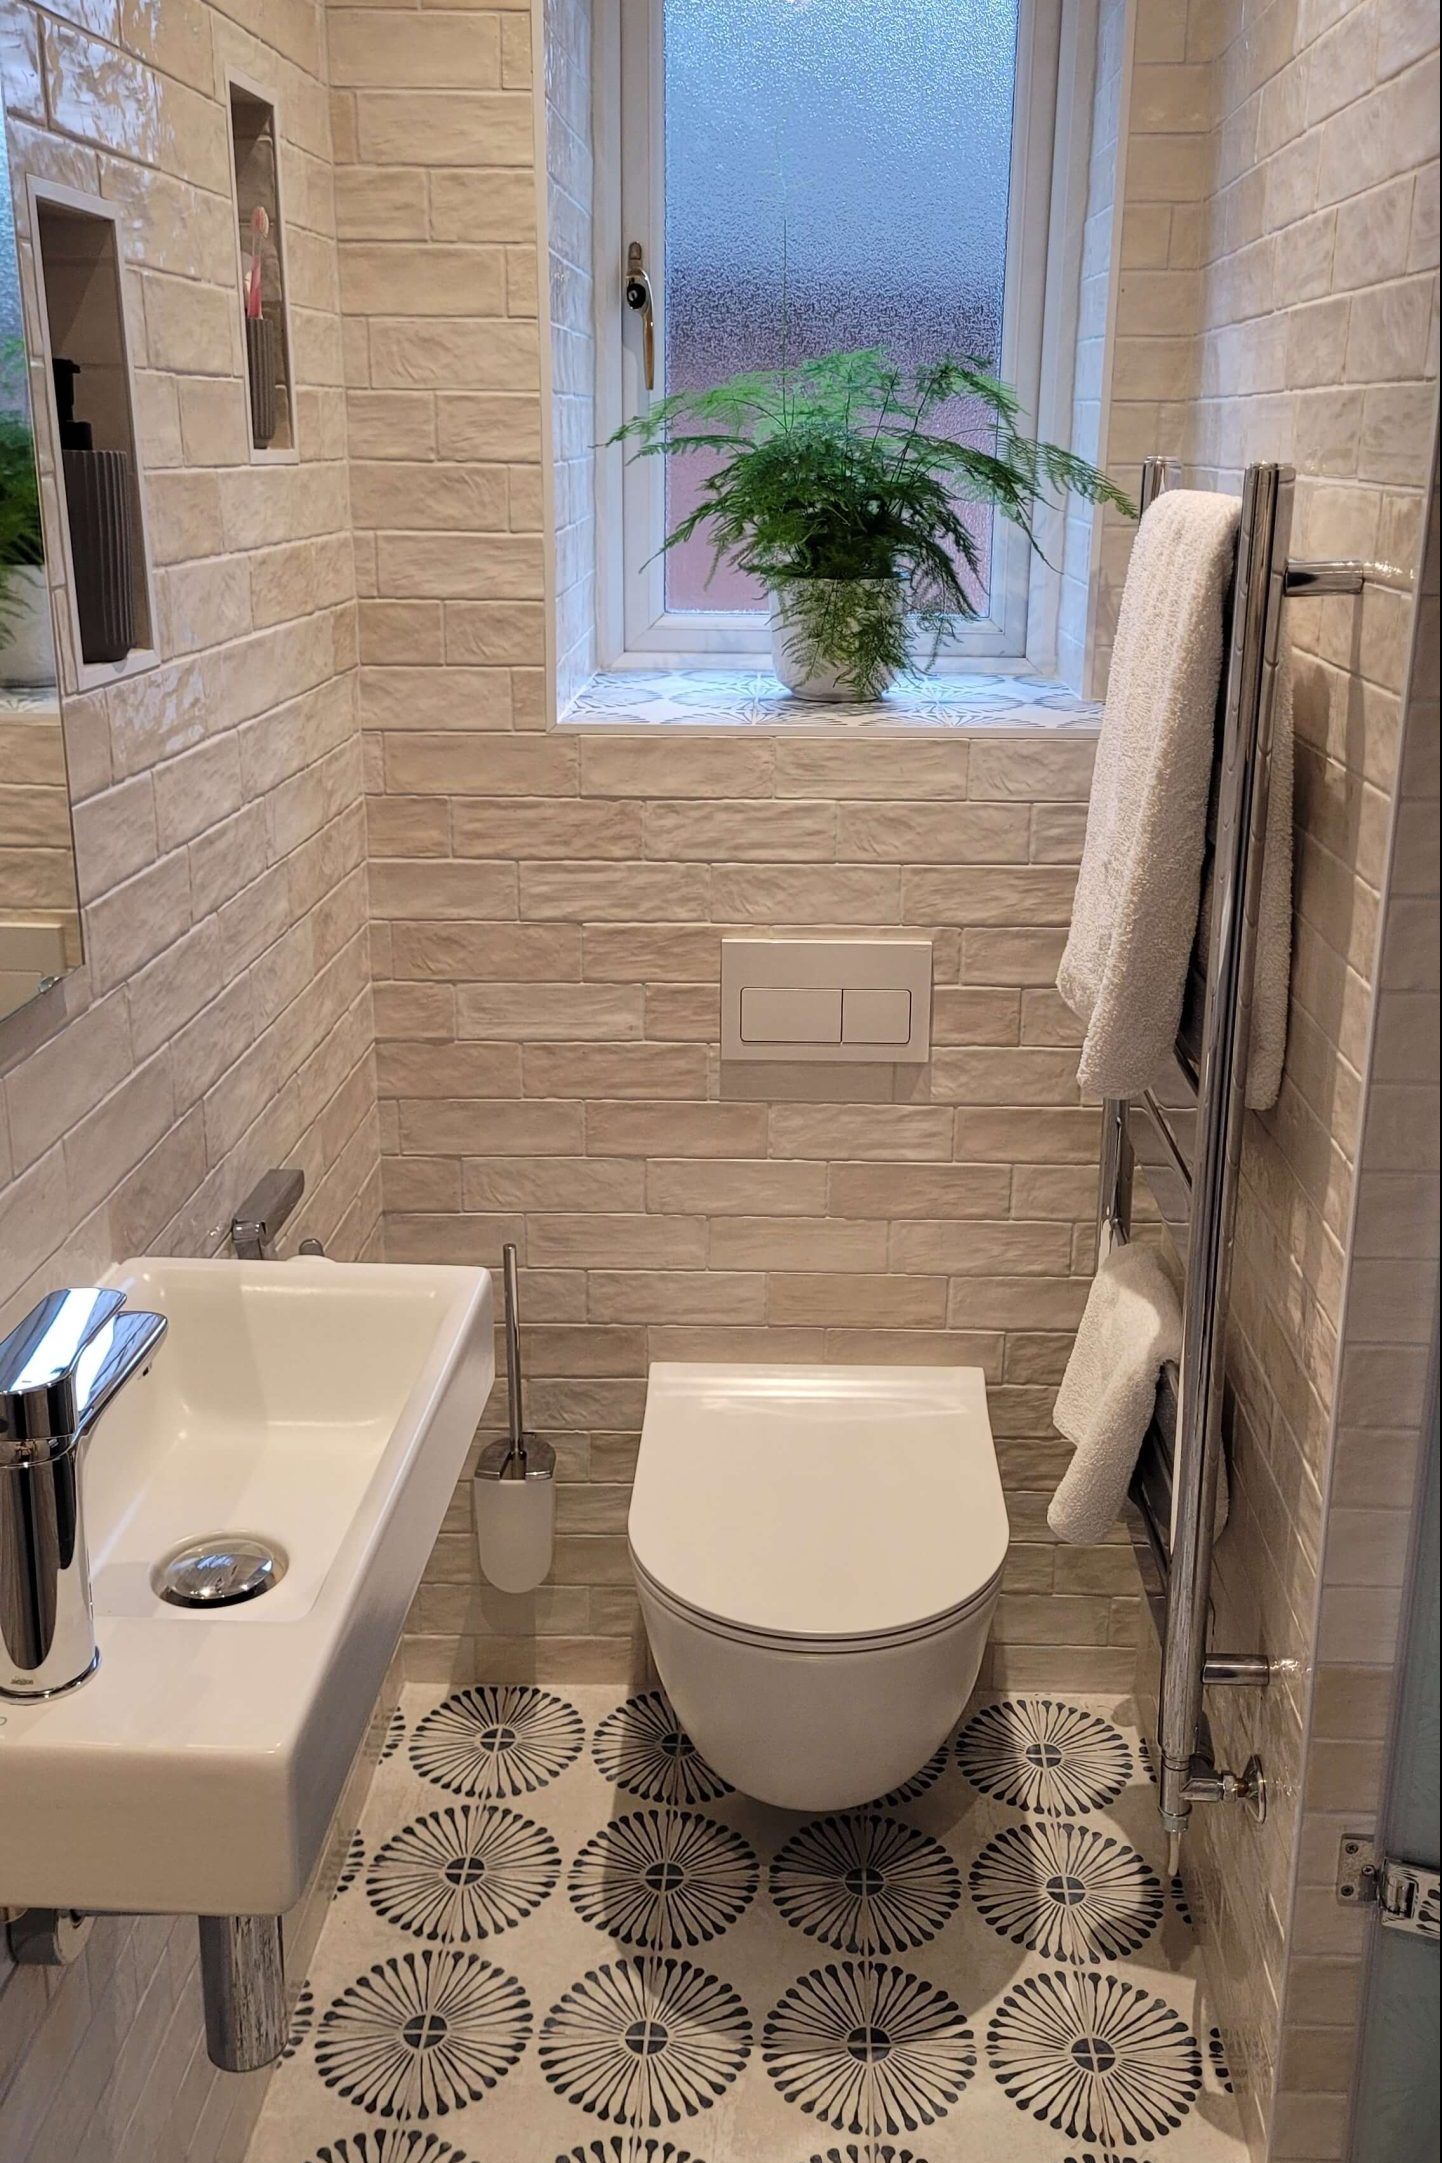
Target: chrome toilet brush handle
pixel 516 1455
pixel 515 1484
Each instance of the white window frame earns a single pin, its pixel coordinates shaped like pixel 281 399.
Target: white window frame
pixel 634 629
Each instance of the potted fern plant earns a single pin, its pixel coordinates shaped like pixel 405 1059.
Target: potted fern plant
pixel 26 649
pixel 832 487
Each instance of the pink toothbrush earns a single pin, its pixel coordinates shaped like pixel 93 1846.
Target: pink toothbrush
pixel 259 227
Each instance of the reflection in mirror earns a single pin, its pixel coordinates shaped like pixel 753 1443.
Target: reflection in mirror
pixel 39 913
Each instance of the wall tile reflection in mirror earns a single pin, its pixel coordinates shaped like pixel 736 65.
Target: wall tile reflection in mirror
pixel 39 915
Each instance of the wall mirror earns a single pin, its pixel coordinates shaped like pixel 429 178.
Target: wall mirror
pixel 39 908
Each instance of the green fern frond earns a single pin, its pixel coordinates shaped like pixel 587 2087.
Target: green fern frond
pixel 834 492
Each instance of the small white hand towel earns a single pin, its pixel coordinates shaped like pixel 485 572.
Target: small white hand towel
pixel 1138 897
pixel 1131 1327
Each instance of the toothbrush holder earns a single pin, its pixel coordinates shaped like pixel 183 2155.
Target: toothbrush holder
pixel 262 360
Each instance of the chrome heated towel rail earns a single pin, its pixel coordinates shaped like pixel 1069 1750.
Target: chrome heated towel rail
pixel 1185 1135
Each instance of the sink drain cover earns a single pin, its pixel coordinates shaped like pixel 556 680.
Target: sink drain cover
pixel 219 1571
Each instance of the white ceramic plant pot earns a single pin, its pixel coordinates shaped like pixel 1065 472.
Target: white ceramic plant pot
pixel 795 661
pixel 27 646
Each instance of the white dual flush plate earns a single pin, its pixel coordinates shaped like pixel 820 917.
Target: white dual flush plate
pixel 839 999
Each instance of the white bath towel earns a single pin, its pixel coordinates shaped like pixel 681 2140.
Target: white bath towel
pixel 1135 916
pixel 1131 1327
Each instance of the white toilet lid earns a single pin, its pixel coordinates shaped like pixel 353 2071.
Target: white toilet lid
pixel 818 1501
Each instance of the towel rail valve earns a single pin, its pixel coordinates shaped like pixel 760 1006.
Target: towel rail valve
pixel 1238 1671
pixel 1200 1781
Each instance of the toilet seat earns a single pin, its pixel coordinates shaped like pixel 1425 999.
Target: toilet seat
pixel 818 1509
pixel 825 1647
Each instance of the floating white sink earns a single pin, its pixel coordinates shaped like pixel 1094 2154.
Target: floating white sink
pixel 320 1406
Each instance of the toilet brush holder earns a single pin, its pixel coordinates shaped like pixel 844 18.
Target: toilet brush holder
pixel 515 1507
pixel 515 1484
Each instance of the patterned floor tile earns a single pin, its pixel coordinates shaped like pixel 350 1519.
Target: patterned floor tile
pixel 560 1937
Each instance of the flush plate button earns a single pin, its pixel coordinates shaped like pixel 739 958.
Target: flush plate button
pixel 811 1016
pixel 842 999
pixel 220 1570
pixel 876 1017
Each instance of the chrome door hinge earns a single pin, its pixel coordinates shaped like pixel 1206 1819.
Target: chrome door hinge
pixel 1408 1896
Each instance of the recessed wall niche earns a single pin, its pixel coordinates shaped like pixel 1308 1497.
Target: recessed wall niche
pixel 87 352
pixel 260 236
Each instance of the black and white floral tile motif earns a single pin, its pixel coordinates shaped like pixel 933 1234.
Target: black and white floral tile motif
pixel 920 1782
pixel 463 1873
pixel 1095 2057
pixel 871 2151
pixel 351 1866
pixel 1052 1760
pixel 643 1748
pixel 498 1741
pixel 1218 2069
pixel 302 2020
pixel 422 2034
pixel 646 2042
pixel 1101 2155
pixel 865 1884
pixel 1180 1902
pixel 628 2148
pixel 869 2049
pixel 394 1736
pixel 1066 1891
pixel 390 2144
pixel 664 1879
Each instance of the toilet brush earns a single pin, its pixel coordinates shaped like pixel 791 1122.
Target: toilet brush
pixel 515 1483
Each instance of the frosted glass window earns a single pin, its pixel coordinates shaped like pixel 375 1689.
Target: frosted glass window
pixel 836 175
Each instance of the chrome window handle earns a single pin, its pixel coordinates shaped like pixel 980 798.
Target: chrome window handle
pixel 642 301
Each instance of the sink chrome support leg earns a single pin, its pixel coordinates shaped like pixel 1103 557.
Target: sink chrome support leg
pixel 242 1973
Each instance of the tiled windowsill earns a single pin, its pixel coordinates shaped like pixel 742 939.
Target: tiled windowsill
pixel 725 699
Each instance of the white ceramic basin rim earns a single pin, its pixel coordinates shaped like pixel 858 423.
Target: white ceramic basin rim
pixel 325 1408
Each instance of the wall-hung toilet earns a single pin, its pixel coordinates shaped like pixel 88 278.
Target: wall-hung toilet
pixel 818 1552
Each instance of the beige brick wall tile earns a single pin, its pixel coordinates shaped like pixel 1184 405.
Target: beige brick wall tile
pixel 218 830
pixel 638 953
pixel 418 888
pixel 487 1125
pixel 713 831
pixel 623 1070
pixel 972 841
pixel 481 952
pixel 889 1301
pixel 902 833
pixel 534 1012
pixel 627 893
pixel 835 767
pixel 808 894
pixel 676 1130
pixel 797 1243
pixel 599 1241
pixel 670 767
pixel 546 827
pixel 987 895
pixel 721 1188
pixel 684 1013
pixel 894 1191
pixel 981 1249
pixel 890 1133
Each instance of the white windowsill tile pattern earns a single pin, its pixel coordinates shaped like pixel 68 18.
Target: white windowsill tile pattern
pixel 719 699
